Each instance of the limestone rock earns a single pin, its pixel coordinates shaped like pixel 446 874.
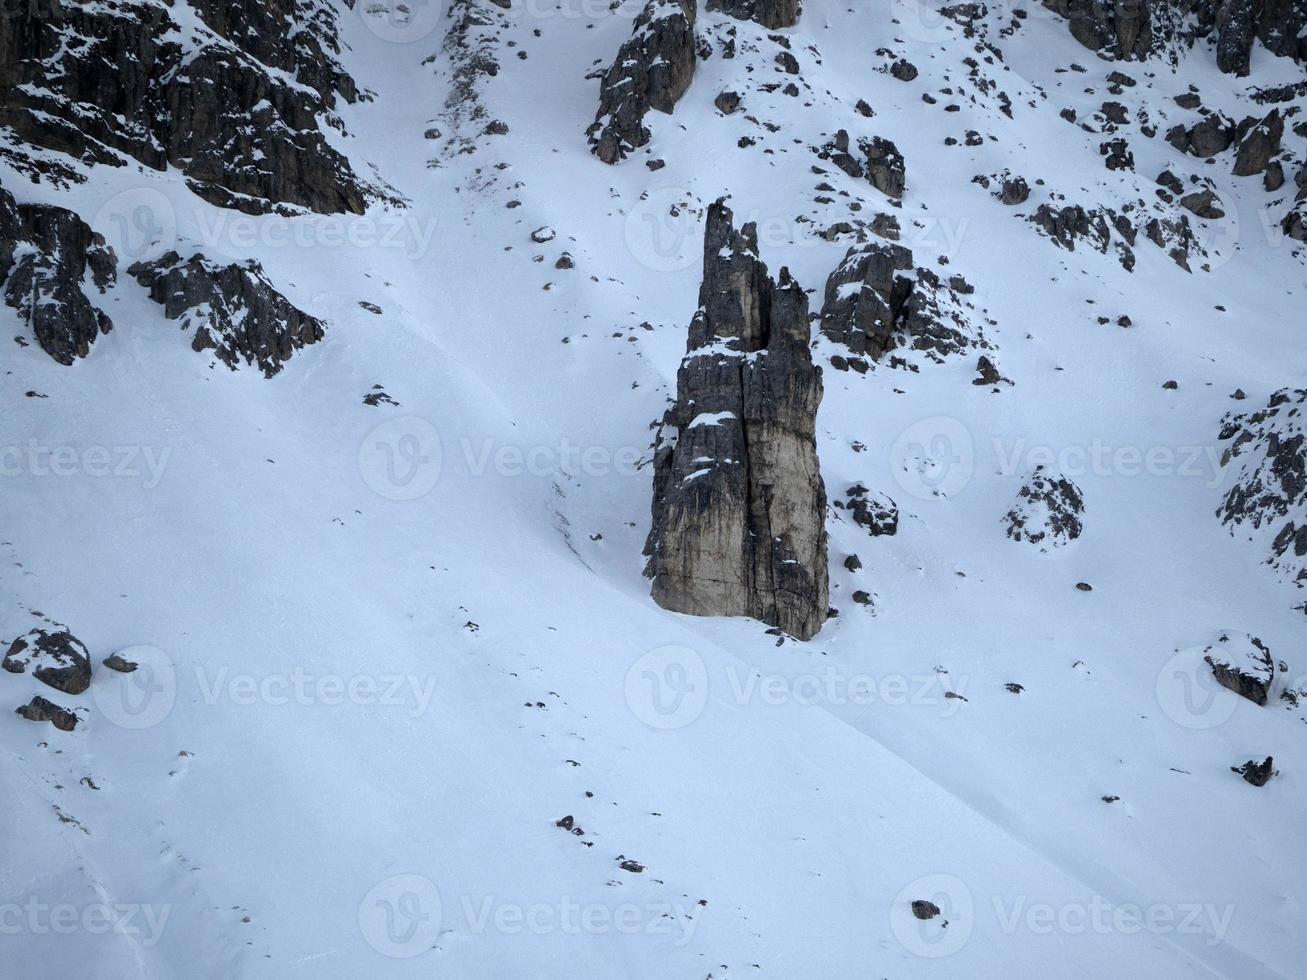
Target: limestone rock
pixel 48 257
pixel 1120 28
pixel 233 309
pixel 55 658
pixel 652 70
pixel 886 168
pixel 739 505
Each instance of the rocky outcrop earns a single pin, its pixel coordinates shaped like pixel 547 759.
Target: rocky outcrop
pixel 877 300
pixel 1261 143
pixel 771 14
pixel 1101 229
pixel 1234 36
pixel 1047 512
pixel 1242 663
pixel 1267 455
pixel 878 160
pixel 1119 28
pixel 233 309
pixel 48 259
pixel 652 70
pixel 1256 773
pixel 55 658
pixel 739 505
pixel 235 100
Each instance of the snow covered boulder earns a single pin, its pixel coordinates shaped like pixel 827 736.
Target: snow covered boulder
pixel 1242 663
pixel 57 658
pixel 1047 512
pixel 234 309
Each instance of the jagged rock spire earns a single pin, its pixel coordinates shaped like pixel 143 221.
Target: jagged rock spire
pixel 739 504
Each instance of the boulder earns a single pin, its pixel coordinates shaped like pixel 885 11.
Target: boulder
pixel 56 658
pixel 1242 663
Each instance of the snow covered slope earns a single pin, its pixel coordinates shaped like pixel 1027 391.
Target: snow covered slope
pixel 386 649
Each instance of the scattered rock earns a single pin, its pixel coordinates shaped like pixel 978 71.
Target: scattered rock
pixel 924 909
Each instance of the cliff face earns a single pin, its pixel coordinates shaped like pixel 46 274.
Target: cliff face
pixel 235 100
pixel 739 504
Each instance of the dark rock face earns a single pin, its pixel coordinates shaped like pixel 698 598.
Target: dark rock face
pixel 771 14
pixel 39 709
pixel 1121 28
pixel 739 505
pixel 871 308
pixel 1234 36
pixel 652 70
pixel 234 309
pixel 57 658
pixel 1242 664
pixel 1047 513
pixel 1104 228
pixel 47 254
pixel 1267 450
pixel 234 101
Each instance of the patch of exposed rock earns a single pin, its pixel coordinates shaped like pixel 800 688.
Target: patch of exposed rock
pixel 234 310
pixel 1266 453
pixel 652 70
pixel 739 505
pixel 56 658
pixel 875 512
pixel 1047 512
pixel 49 257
